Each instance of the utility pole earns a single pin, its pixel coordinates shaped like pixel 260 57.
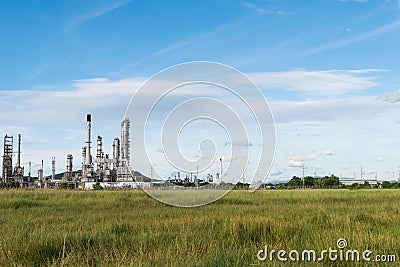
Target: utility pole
pixel 361 173
pixel 303 177
pixel 220 174
pixel 151 175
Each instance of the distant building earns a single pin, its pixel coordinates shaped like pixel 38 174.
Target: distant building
pixel 349 181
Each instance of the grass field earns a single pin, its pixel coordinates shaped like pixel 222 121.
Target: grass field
pixel 128 228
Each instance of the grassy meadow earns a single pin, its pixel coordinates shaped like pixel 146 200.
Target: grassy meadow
pixel 129 228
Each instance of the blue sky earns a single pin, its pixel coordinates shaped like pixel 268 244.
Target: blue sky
pixel 328 68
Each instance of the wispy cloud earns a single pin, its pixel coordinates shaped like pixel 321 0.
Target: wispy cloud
pixel 331 82
pixel 82 18
pixel 334 45
pixel 327 152
pixel 197 39
pixel 241 143
pixel 360 1
pixel 393 97
pixel 277 173
pixel 256 8
pixel 43 108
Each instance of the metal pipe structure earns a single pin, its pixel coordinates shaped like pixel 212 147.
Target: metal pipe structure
pixel 7 158
pixel 220 174
pixel 18 170
pixel 83 162
pixel 125 144
pixel 116 153
pixel 106 161
pixel 99 153
pixel 69 164
pixel 53 168
pixel 40 176
pixel 18 164
pixel 88 158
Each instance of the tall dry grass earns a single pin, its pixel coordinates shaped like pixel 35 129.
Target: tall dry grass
pixel 128 228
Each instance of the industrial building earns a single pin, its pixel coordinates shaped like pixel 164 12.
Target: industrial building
pixel 8 173
pixel 110 171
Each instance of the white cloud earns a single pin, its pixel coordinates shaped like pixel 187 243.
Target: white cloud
pixel 256 8
pixel 321 111
pixel 108 99
pixel 380 159
pixel 394 97
pixel 298 161
pixel 347 120
pixel 327 152
pixel 295 163
pixel 331 82
pixel 239 143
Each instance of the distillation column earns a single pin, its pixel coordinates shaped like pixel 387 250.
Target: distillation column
pixel 88 155
pixel 53 168
pixel 125 144
pixel 99 157
pixel 125 156
pixel 116 153
pixel 7 158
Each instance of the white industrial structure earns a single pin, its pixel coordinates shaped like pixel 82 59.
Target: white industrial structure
pixel 125 143
pixel 104 169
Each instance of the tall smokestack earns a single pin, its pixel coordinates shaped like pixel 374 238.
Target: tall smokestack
pixel 19 154
pixel 88 159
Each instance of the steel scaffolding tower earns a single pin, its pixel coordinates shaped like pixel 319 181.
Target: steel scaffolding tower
pixel 7 158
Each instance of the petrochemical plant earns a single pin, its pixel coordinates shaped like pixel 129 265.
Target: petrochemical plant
pixel 110 171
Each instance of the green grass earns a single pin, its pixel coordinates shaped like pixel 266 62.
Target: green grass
pixel 128 228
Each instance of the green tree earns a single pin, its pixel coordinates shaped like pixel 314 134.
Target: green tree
pixel 97 186
pixel 386 184
pixel 294 182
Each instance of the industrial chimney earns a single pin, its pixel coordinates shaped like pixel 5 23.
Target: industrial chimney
pixel 88 159
pixel 18 165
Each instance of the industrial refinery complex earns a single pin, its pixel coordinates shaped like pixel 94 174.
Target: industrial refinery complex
pixel 111 171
